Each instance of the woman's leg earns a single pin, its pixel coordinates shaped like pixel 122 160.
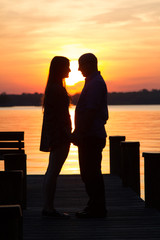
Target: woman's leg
pixel 57 158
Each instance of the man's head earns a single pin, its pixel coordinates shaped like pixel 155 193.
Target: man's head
pixel 88 64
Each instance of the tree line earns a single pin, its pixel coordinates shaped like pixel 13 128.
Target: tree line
pixel 114 98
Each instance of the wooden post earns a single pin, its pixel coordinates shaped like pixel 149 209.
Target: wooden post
pixel 152 179
pixel 11 222
pixel 11 187
pixel 17 161
pixel 115 154
pixel 130 165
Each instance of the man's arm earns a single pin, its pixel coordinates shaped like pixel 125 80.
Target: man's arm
pixel 86 123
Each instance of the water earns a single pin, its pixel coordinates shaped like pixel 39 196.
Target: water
pixel 138 123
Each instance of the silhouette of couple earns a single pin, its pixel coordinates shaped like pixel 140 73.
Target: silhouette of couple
pixel 89 135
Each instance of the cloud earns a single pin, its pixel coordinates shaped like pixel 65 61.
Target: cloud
pixel 27 23
pixel 39 18
pixel 143 13
pixel 76 88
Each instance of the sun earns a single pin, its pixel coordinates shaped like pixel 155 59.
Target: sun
pixel 75 76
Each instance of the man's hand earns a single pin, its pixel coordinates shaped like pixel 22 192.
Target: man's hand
pixel 76 137
pixel 84 126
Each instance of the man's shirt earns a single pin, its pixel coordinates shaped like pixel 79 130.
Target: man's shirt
pixel 93 97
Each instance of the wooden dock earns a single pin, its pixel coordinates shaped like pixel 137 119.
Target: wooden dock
pixel 127 216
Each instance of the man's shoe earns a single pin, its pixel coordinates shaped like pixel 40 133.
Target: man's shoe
pixel 91 214
pixel 54 214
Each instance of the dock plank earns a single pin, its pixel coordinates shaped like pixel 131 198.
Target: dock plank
pixel 127 216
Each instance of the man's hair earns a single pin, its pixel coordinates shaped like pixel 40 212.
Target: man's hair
pixel 88 58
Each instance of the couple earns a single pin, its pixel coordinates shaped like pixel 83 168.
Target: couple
pixel 89 135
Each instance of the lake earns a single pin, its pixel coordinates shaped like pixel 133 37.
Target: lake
pixel 136 122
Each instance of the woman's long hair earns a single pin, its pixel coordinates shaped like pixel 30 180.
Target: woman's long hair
pixel 56 74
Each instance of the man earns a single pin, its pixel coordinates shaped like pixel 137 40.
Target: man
pixel 89 135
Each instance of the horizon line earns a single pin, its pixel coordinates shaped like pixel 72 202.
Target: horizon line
pixel 141 90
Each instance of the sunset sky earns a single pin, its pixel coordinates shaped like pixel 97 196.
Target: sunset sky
pixel 123 34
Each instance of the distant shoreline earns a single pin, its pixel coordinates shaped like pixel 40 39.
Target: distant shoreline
pixel 21 106
pixel 142 97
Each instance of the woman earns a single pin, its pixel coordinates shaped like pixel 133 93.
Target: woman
pixel 56 130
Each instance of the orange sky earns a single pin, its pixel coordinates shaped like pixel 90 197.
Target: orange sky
pixel 123 34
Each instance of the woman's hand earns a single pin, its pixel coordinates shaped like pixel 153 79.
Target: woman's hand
pixel 76 137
